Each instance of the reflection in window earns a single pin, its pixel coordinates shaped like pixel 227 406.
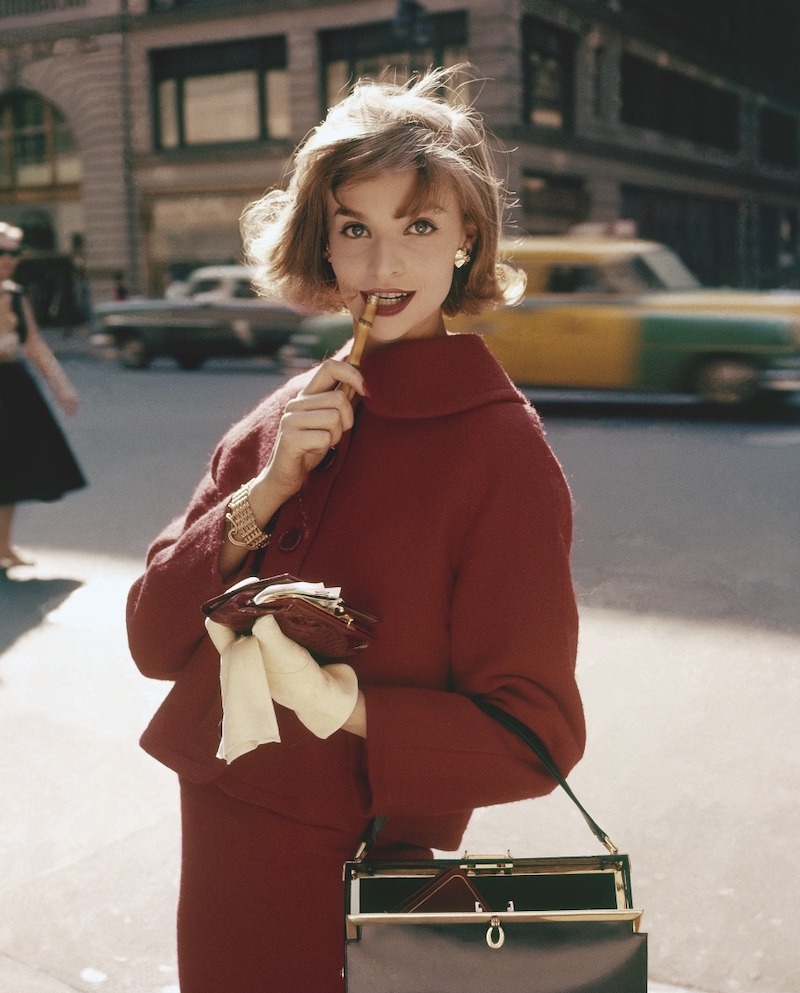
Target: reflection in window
pixel 227 92
pixel 37 146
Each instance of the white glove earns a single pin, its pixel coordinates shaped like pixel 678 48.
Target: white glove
pixel 322 697
pixel 248 716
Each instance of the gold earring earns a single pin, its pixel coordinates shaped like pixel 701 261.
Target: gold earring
pixel 326 253
pixel 462 257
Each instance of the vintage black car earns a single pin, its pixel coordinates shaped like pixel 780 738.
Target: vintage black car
pixel 219 316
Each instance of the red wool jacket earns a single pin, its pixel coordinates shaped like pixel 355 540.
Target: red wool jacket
pixel 445 514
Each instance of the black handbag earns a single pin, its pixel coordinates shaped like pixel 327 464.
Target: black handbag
pixel 494 923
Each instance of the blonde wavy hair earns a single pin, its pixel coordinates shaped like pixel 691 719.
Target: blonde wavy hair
pixel 383 127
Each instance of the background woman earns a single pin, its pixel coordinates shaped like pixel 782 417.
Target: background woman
pixel 36 461
pixel 436 504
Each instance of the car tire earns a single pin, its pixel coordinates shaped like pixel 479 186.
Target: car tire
pixel 190 362
pixel 727 381
pixel 133 353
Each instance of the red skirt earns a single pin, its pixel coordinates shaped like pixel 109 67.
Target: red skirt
pixel 261 899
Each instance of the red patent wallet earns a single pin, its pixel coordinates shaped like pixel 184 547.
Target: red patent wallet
pixel 333 634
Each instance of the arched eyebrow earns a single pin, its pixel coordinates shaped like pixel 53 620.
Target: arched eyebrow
pixel 343 210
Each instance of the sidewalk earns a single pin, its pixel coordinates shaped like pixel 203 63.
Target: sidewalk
pixel 89 834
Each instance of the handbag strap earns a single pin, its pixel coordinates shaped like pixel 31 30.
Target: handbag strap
pixel 537 746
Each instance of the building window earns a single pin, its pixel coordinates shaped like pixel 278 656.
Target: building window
pixel 553 204
pixel 404 46
pixel 702 230
pixel 22 8
pixel 37 146
pixel 549 73
pixel 667 101
pixel 219 93
pixel 778 138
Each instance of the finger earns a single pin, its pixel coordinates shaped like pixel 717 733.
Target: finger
pixel 334 414
pixel 331 374
pixel 304 441
pixel 329 411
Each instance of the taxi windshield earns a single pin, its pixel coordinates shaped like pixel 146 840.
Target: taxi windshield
pixel 662 269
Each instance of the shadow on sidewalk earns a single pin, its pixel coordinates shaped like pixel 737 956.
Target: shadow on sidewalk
pixel 24 603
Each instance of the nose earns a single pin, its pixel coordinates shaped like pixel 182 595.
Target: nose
pixel 386 259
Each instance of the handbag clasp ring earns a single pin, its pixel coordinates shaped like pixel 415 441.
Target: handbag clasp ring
pixel 495 935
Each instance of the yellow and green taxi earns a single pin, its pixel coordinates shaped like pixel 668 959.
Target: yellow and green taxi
pixel 603 313
pixel 621 314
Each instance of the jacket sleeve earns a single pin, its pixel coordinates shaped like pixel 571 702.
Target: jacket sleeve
pixel 165 622
pixel 513 637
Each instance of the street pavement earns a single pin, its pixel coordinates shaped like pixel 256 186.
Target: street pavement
pixel 89 838
pixel 692 767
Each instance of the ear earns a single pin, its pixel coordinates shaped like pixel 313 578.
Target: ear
pixel 470 235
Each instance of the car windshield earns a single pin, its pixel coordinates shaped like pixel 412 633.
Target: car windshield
pixel 662 269
pixel 208 285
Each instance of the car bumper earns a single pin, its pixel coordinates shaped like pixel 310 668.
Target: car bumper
pixel 785 379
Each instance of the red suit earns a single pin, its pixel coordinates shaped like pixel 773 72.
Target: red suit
pixel 445 514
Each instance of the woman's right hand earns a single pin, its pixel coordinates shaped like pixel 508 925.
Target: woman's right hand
pixel 313 423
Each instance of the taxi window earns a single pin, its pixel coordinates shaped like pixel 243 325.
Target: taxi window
pixel 576 279
pixel 663 269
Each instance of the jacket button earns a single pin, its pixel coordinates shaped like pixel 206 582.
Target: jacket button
pixel 290 539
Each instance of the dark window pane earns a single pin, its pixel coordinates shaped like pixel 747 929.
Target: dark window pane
pixel 549 70
pixel 778 137
pixel 667 101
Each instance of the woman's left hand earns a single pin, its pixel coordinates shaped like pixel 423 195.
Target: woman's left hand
pixel 323 698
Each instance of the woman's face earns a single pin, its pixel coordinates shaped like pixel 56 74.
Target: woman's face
pixel 8 261
pixel 406 260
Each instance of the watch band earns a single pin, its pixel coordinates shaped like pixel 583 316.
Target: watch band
pixel 244 530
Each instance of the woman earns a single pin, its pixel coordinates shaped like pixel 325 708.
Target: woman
pixel 436 504
pixel 37 462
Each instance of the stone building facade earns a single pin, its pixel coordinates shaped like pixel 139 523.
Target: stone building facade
pixel 133 132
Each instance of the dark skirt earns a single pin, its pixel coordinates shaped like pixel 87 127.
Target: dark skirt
pixel 36 461
pixel 261 899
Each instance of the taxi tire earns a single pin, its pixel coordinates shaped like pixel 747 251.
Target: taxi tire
pixel 727 381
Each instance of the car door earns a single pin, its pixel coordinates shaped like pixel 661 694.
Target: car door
pixel 564 342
